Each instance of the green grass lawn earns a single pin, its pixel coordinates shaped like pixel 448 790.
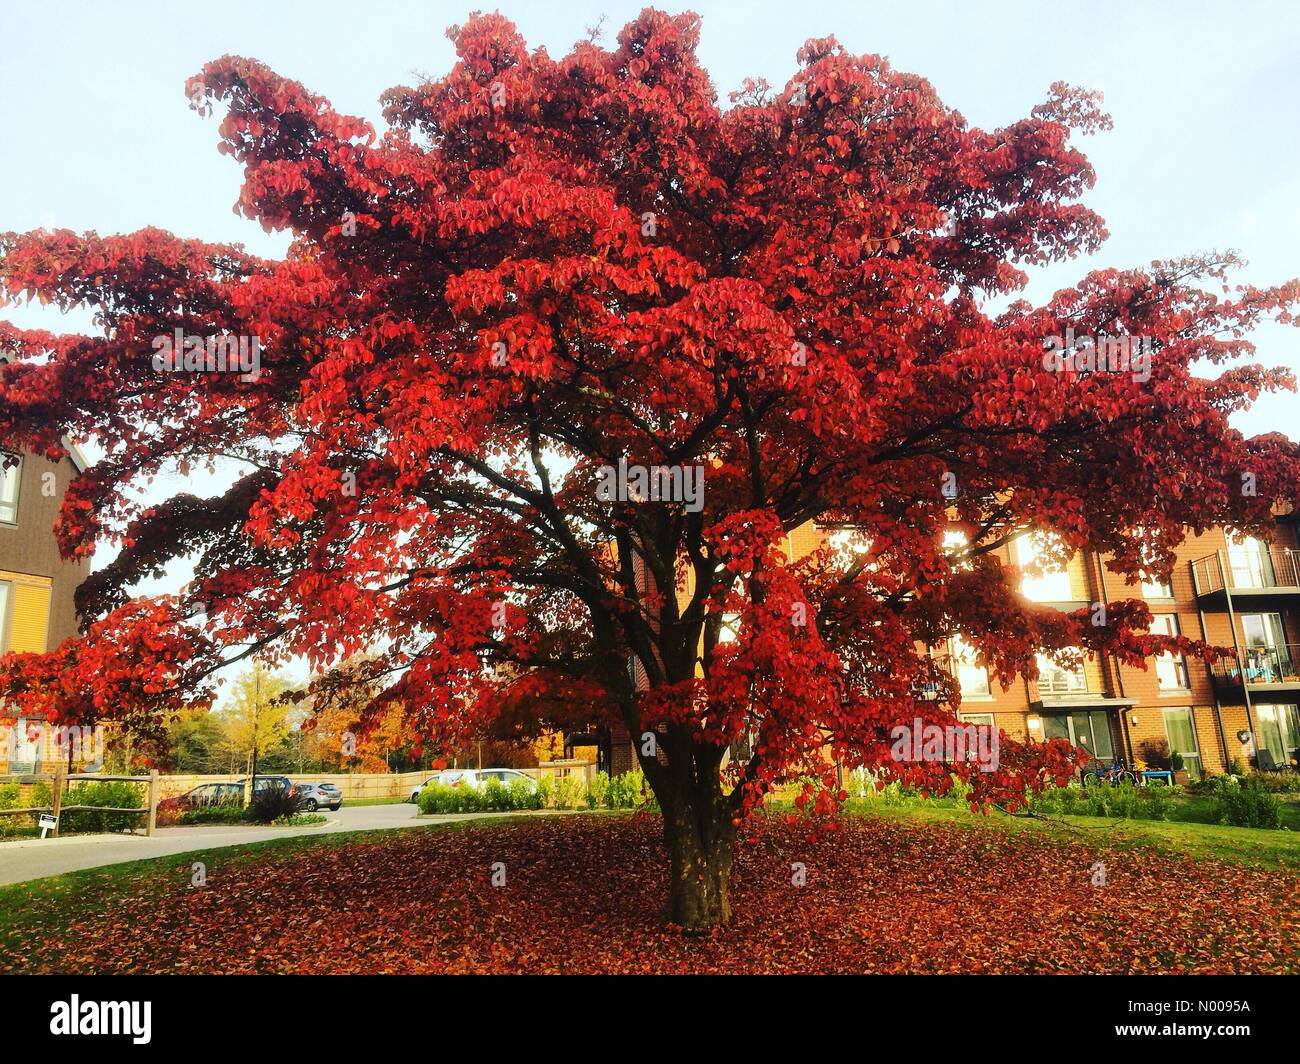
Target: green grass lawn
pixel 1250 846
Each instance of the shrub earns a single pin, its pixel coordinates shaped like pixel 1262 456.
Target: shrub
pixel 627 791
pixel 272 803
pixel 224 813
pixel 569 792
pixel 109 793
pixel 441 798
pixel 545 791
pixel 496 795
pixel 1277 783
pixel 598 791
pixel 524 795
pixel 11 798
pixel 1248 805
pixel 1121 802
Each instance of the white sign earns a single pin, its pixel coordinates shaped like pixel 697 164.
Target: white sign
pixel 47 823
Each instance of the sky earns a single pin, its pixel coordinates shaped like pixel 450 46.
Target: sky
pixel 1205 153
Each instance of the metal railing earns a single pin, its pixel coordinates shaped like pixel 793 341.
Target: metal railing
pixel 1256 570
pixel 1276 664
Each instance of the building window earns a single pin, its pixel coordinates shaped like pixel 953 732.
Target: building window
pixel 1156 590
pixel 1250 562
pixel 10 477
pixel 972 677
pixel 1153 588
pixel 955 545
pixel 729 630
pixel 847 543
pixel 1180 729
pixel 1054 679
pixel 1048 583
pixel 6 603
pixel 1171 668
pixel 985 720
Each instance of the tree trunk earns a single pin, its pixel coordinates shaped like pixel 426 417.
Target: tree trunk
pixel 699 851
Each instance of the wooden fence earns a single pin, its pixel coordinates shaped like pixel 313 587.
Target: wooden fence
pixel 357 785
pixel 58 780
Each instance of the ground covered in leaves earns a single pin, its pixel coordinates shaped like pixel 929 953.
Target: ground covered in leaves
pixel 583 894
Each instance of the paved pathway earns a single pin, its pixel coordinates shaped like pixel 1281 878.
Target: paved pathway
pixel 33 858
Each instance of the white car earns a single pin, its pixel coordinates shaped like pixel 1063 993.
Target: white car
pixel 476 778
pixel 452 777
pixel 503 775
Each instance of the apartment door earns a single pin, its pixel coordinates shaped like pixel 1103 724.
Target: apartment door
pixel 1088 729
pixel 1267 658
pixel 1278 730
pixel 1180 729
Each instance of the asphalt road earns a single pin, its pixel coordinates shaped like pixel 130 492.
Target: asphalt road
pixel 34 858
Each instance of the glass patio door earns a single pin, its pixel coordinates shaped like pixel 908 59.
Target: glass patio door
pixel 1088 729
pixel 1279 732
pixel 1180 728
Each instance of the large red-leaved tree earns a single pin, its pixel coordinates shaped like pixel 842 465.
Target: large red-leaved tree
pixel 544 267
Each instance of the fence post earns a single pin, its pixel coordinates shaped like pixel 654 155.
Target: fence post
pixel 56 802
pixel 153 801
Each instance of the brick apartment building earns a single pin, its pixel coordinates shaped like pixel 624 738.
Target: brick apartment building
pixel 36 585
pixel 1242 594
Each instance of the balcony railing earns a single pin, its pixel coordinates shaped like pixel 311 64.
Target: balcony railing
pixel 1279 664
pixel 1256 570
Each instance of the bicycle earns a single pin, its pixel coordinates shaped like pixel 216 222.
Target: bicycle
pixel 1116 773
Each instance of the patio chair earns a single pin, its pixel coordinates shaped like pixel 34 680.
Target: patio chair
pixel 1266 763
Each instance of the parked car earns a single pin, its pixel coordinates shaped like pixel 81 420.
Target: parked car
pixel 261 783
pixel 205 794
pixel 504 775
pixel 452 777
pixel 474 777
pixel 315 795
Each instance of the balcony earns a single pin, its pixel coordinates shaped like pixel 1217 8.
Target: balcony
pixel 1261 670
pixel 1253 575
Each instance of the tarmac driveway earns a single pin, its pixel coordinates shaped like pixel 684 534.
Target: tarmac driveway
pixel 33 858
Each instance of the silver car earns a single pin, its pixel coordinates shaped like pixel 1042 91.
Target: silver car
pixel 315 795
